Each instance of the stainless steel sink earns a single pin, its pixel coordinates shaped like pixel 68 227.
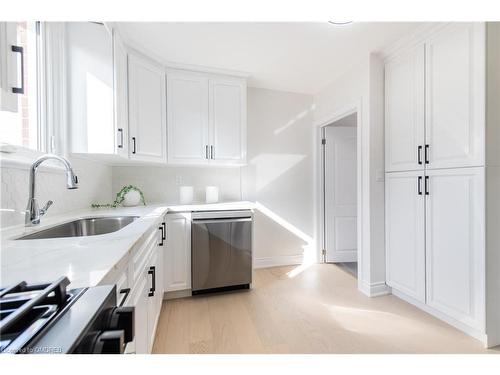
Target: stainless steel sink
pixel 83 227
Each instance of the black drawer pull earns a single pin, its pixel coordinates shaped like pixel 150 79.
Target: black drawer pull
pixel 120 145
pixel 133 145
pixel 426 185
pixel 426 154
pixel 419 155
pixel 125 291
pixel 162 235
pixel 20 50
pixel 152 272
pixel 419 185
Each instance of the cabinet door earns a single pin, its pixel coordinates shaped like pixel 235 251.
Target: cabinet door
pixel 187 118
pixel 152 303
pixel 177 252
pixel 139 299
pixel 455 245
pixel 8 67
pixel 455 76
pixel 228 121
pixel 147 111
pixel 90 88
pixel 404 111
pixel 405 237
pixel 121 96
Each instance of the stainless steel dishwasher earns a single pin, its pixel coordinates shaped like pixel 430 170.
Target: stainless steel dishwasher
pixel 221 250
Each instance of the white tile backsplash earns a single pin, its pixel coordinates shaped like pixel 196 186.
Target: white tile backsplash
pixel 161 184
pixel 94 185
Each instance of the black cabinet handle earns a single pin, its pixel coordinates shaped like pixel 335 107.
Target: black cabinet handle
pixel 133 145
pixel 20 50
pixel 152 272
pixel 426 185
pixel 419 155
pixel 419 185
pixel 206 152
pixel 125 291
pixel 120 145
pixel 212 153
pixel 164 233
pixel 426 154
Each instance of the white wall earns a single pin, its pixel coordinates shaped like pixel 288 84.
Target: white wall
pixel 279 175
pixel 361 88
pixel 161 184
pixel 94 185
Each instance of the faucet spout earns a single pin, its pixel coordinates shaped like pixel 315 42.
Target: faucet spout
pixel 33 212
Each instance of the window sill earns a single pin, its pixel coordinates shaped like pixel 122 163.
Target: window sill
pixel 18 157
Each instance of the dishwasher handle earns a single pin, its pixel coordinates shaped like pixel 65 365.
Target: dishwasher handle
pixel 222 220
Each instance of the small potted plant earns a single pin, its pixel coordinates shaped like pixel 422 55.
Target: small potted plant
pixel 128 196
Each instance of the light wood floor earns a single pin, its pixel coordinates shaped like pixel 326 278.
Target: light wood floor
pixel 317 311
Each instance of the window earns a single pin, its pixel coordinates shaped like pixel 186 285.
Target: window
pixel 24 126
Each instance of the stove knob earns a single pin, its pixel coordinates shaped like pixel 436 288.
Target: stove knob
pixel 109 342
pixel 122 318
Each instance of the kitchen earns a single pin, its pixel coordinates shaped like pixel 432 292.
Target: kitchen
pixel 216 201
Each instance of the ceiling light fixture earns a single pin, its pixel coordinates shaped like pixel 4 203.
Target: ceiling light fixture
pixel 340 23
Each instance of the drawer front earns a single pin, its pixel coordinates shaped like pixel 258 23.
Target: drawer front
pixel 141 256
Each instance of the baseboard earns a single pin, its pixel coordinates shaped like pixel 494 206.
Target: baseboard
pixel 445 318
pixel 374 289
pixel 276 261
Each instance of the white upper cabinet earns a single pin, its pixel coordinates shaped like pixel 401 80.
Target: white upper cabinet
pixel 455 256
pixel 455 59
pixel 8 67
pixel 147 110
pixel 121 95
pixel 228 121
pixel 90 88
pixel 187 118
pixel 404 111
pixel 206 119
pixel 405 236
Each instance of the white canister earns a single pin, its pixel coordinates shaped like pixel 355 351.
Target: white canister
pixel 212 194
pixel 186 194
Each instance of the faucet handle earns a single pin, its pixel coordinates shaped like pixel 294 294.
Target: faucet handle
pixel 45 208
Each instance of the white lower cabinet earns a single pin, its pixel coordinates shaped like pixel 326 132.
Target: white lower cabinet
pixel 455 244
pixel 405 239
pixel 435 242
pixel 177 253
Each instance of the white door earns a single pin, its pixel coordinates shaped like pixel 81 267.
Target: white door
pixel 340 194
pixel 404 111
pixel 147 112
pixel 405 232
pixel 455 243
pixel 228 121
pixel 121 96
pixel 187 118
pixel 455 97
pixel 152 303
pixel 177 252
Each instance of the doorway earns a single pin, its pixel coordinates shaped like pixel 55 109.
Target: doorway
pixel 339 169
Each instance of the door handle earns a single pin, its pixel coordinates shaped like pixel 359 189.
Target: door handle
pixel 212 152
pixel 162 234
pixel 125 291
pixel 206 152
pixel 426 185
pixel 419 185
pixel 120 145
pixel 133 145
pixel 426 154
pixel 20 50
pixel 152 272
pixel 419 155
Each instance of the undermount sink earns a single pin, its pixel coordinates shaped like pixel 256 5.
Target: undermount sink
pixel 83 227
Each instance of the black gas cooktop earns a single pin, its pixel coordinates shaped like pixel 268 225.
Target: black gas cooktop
pixel 48 318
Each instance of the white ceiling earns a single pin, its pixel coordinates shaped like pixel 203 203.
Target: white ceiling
pixel 297 57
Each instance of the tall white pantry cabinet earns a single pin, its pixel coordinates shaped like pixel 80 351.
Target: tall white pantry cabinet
pixel 442 187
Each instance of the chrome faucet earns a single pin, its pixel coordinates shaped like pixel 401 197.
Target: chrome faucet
pixel 33 213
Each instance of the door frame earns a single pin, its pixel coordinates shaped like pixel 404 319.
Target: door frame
pixel 320 183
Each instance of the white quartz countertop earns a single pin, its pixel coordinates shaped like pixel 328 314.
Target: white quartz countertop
pixel 84 260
